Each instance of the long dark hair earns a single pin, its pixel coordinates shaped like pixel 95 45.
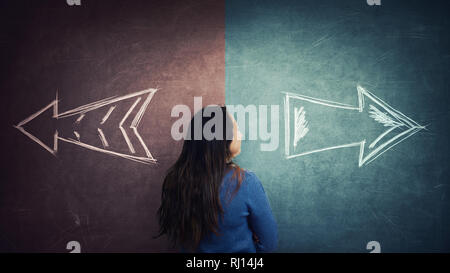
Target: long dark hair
pixel 190 201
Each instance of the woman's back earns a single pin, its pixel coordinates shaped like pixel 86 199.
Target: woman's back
pixel 246 213
pixel 204 206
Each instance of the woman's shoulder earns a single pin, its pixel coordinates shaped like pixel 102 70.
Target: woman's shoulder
pixel 250 178
pixel 247 176
pixel 249 185
pixel 249 173
pixel 253 186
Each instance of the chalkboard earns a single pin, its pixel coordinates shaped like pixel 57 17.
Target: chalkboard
pixel 361 89
pixel 363 95
pixel 88 91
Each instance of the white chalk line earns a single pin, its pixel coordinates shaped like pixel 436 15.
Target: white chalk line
pixel 137 120
pixel 408 133
pixel 80 118
pixel 25 121
pixel 301 124
pixel 102 138
pixel 395 113
pixel 54 103
pixel 95 105
pixel 382 118
pixel 89 107
pixel 381 136
pixel 326 149
pixel 322 102
pixel 55 142
pixel 402 119
pixel 105 118
pixel 144 160
pixel 77 135
pixel 55 107
pixel 124 133
pixel 287 125
pixel 35 139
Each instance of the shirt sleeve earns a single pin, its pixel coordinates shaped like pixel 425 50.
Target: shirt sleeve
pixel 261 219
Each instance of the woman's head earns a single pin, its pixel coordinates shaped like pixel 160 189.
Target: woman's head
pixel 213 134
pixel 190 203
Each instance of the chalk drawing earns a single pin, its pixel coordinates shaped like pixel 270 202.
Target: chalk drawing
pixel 80 118
pixel 124 133
pixel 383 118
pixel 83 110
pixel 399 120
pixel 77 135
pixel 105 118
pixel 102 138
pixel 301 124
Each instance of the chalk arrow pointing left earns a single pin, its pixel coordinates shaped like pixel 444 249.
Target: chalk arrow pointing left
pixel 144 97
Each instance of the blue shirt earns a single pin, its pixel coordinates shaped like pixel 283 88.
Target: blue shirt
pixel 247 213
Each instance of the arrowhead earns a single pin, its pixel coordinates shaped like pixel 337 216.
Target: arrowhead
pixel 54 106
pixel 398 126
pixel 82 110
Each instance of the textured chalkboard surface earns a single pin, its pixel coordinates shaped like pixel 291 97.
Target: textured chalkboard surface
pixel 327 55
pixel 87 53
pixel 399 52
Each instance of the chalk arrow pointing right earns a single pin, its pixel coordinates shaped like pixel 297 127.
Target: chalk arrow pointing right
pixel 398 126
